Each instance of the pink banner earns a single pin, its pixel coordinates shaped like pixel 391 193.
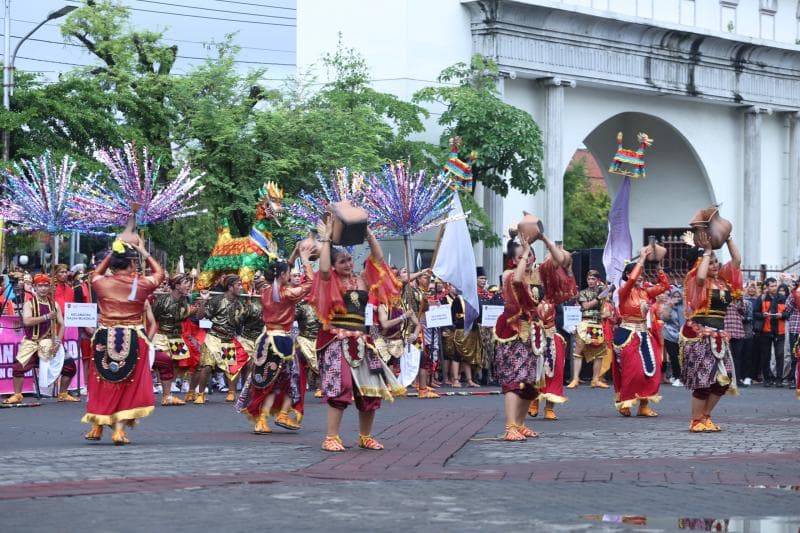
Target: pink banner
pixel 10 337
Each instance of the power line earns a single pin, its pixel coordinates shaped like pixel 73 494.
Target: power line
pixel 275 63
pixel 207 17
pixel 171 4
pixel 282 50
pixel 255 4
pixel 212 18
pixel 55 61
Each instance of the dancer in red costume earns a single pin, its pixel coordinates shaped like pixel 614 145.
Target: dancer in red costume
pixel 277 376
pixel 637 357
pixel 519 356
pixel 707 367
pixel 44 329
pixel 120 387
pixel 350 369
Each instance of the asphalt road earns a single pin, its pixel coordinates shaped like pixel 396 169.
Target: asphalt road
pixel 444 469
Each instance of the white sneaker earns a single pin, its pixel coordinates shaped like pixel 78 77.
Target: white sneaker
pixel 174 388
pixel 185 386
pixel 677 383
pixel 157 389
pixel 672 381
pixel 84 392
pixel 747 381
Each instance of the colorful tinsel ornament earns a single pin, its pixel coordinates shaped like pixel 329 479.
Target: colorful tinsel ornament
pixel 133 183
pixel 35 196
pixel 340 185
pixel 402 203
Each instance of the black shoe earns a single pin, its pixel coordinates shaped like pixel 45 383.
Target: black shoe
pixel 779 384
pixel 767 383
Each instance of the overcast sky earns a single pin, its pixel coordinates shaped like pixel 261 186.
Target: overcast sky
pixel 265 29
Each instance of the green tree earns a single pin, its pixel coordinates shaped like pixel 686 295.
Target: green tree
pixel 344 124
pixel 507 139
pixel 135 71
pixel 585 210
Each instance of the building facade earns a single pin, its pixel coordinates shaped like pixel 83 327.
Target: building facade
pixel 715 83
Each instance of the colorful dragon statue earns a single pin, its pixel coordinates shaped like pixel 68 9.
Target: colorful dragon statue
pixel 245 255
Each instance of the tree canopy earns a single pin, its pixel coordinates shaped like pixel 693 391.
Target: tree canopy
pixel 241 133
pixel 585 210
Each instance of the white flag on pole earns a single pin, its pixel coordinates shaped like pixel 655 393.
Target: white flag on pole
pixel 455 261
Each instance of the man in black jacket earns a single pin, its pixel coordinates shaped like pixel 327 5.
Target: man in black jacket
pixel 771 315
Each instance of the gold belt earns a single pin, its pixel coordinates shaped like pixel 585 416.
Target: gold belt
pixel 640 327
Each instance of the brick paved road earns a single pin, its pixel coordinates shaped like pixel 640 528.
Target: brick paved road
pixel 442 469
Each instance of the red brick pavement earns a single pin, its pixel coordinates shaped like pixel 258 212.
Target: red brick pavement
pixel 418 447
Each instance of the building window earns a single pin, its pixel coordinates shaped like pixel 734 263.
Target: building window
pixel 687 12
pixel 727 18
pixel 767 9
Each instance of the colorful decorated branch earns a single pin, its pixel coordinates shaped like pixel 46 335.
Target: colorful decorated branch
pixel 132 182
pixel 402 203
pixel 36 193
pixel 340 185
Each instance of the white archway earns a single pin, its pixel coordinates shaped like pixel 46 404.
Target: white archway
pixel 676 183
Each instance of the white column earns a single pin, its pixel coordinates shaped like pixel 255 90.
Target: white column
pixel 792 206
pixel 493 205
pixel 553 156
pixel 479 247
pixel 493 257
pixel 751 190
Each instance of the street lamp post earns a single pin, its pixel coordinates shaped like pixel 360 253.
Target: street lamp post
pixel 10 58
pixel 8 85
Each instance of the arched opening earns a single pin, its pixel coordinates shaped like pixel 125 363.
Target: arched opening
pixel 675 187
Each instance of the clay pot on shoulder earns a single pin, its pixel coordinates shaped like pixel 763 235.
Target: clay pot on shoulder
pixel 530 227
pixel 717 228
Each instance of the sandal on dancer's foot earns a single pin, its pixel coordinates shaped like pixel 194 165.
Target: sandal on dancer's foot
pixel 262 427
pixel 14 399
pixel 527 432
pixel 119 438
pixel 230 397
pixel 599 384
pixel 96 433
pixel 624 411
pixel 644 410
pixel 427 394
pixel 67 397
pixel 332 443
pixel 456 385
pixel 369 443
pixel 473 385
pixel 285 422
pixel 710 425
pixel 533 410
pixel 572 384
pixel 513 434
pixel 172 400
pixel 697 426
pixel 549 414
